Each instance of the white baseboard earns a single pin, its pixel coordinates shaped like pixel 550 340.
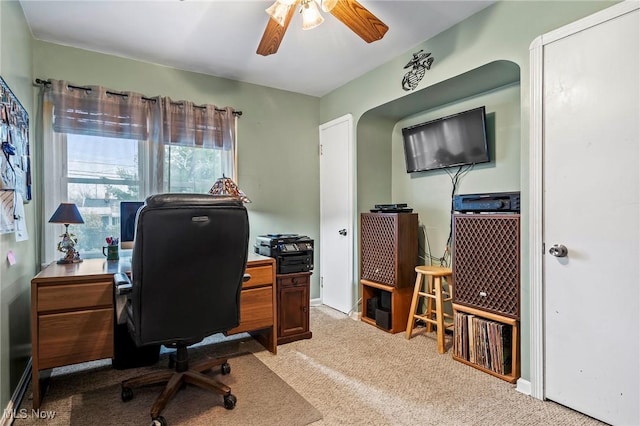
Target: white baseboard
pixel 16 399
pixel 523 386
pixel 315 302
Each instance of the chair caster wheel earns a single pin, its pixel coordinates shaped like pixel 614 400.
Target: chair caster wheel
pixel 159 421
pixel 126 394
pixel 225 368
pixel 230 401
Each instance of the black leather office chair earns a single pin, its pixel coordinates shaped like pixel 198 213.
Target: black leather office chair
pixel 188 265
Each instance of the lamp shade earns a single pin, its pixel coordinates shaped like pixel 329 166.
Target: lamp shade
pixel 278 11
pixel 66 213
pixel 226 186
pixel 327 5
pixel 311 17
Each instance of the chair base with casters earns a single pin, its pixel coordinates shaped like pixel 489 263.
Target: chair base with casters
pixel 175 380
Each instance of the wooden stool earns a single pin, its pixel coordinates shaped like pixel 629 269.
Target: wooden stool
pixel 435 296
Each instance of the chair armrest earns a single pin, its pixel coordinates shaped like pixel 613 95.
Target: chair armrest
pixel 122 283
pixel 246 278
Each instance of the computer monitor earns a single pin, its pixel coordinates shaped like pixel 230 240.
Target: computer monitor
pixel 128 213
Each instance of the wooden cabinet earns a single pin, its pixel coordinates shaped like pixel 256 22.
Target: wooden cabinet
pixel 487 341
pixel 388 257
pixel 395 320
pixel 258 300
pixel 72 317
pixel 293 306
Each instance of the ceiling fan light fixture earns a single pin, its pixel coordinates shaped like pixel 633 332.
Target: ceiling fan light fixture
pixel 278 11
pixel 311 16
pixel 327 5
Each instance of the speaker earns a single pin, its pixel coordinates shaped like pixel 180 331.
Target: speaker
pixel 486 262
pixel 389 248
pixel 383 319
pixel 385 300
pixel 372 305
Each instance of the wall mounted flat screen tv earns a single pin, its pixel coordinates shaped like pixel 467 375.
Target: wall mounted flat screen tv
pixel 456 140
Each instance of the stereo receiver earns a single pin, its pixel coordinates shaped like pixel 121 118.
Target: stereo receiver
pixel 490 202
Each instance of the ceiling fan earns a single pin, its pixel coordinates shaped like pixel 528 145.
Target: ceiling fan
pixel 349 12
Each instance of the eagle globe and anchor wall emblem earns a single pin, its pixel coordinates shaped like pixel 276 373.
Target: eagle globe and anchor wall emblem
pixel 419 64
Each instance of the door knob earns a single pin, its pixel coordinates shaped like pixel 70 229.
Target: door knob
pixel 342 232
pixel 558 250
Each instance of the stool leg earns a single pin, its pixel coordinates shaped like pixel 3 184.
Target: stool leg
pixel 414 303
pixel 439 314
pixel 429 312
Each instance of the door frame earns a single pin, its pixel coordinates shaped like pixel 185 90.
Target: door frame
pixel 350 188
pixel 536 185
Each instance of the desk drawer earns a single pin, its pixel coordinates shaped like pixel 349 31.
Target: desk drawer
pixel 72 337
pixel 256 310
pixel 260 276
pixel 75 296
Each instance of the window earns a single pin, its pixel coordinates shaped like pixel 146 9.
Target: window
pixel 100 173
pixel 103 171
pixel 103 147
pixel 191 169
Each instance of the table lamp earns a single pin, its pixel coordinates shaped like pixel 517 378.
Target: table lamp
pixel 67 213
pixel 226 186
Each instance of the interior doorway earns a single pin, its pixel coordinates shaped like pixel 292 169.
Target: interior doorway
pixel 586 216
pixel 336 213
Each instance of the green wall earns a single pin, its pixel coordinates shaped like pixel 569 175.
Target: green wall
pixel 429 193
pixel 501 32
pixel 15 335
pixel 277 133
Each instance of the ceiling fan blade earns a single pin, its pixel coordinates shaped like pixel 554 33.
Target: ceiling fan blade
pixel 360 20
pixel 273 34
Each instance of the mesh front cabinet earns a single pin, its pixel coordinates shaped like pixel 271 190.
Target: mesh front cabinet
pixel 486 262
pixel 389 248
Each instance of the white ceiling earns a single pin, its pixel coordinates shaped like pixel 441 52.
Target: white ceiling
pixel 220 37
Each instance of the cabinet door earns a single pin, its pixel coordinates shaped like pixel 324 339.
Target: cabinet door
pixel 293 301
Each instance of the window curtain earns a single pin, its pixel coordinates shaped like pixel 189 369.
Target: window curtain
pixel 207 126
pixel 96 111
pixel 154 121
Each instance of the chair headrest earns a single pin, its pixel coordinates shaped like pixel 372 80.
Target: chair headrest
pixel 163 200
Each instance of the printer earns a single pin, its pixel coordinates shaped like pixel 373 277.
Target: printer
pixel 293 252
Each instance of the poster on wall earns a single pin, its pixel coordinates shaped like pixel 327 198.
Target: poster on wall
pixel 15 161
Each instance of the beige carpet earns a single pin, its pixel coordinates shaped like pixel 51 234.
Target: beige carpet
pixel 355 374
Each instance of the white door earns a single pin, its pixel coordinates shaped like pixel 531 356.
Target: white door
pixel 336 213
pixel 591 116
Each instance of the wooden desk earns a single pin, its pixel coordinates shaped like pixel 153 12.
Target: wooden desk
pixel 72 318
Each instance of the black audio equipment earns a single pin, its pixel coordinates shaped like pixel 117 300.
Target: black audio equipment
pixel 383 319
pixel 293 252
pixel 372 305
pixel 391 208
pixel 490 202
